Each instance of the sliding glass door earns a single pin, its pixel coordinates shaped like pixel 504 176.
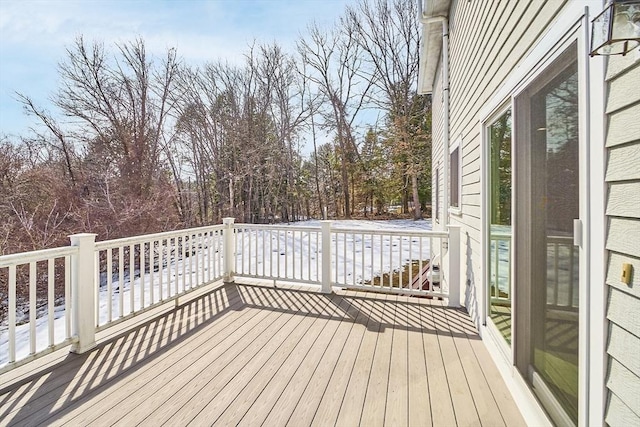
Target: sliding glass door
pixel 547 205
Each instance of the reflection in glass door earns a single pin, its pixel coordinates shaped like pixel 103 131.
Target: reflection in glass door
pixel 499 259
pixel 554 204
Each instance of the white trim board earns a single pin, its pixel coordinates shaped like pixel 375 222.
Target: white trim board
pixel 597 260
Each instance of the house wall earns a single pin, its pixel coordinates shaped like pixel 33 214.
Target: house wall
pixel 487 41
pixel 623 239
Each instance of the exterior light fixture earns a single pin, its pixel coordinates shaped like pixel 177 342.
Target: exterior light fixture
pixel 616 31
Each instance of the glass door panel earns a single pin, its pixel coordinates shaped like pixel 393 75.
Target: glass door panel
pixel 500 225
pixel 554 206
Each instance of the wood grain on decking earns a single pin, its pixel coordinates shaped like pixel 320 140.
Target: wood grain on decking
pixel 259 355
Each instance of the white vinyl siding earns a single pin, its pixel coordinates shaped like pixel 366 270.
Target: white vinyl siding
pixel 623 235
pixel 490 43
pixel 487 40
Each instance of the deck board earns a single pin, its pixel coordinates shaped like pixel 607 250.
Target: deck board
pixel 220 391
pixel 163 376
pixel 439 394
pixel 260 355
pixel 274 407
pixel 333 373
pixel 419 405
pixel 373 410
pixel 481 393
pixel 119 352
pixel 396 410
pixel 274 374
pixel 465 411
pixel 352 403
pixel 207 362
pixel 88 375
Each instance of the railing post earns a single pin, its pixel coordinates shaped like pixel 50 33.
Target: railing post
pixel 326 256
pixel 229 250
pixel 453 266
pixel 83 292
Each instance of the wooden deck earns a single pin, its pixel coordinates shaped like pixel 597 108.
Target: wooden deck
pixel 258 355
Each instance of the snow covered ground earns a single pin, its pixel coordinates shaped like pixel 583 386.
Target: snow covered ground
pixel 356 255
pixel 293 254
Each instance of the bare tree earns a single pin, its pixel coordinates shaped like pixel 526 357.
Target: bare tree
pixel 239 127
pixel 116 109
pixel 122 103
pixel 333 59
pixel 388 34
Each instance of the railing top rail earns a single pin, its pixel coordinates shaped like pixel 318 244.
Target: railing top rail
pixel 560 239
pixel 108 244
pixel 39 255
pixel 500 236
pixel 505 235
pixel 392 232
pixel 338 228
pixel 243 226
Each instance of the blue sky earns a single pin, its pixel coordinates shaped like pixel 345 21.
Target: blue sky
pixel 34 34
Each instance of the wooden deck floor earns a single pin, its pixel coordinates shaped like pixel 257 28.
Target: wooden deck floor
pixel 258 355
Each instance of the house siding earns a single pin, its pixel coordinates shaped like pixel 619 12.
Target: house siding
pixel 622 240
pixel 487 41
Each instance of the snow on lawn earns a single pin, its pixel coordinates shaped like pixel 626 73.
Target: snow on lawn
pixel 285 254
pixel 356 255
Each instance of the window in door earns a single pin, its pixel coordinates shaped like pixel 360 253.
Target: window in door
pixel 499 259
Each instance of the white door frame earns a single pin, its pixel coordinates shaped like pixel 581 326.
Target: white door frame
pixel 572 25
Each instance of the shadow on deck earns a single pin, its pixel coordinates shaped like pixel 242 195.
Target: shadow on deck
pixel 260 355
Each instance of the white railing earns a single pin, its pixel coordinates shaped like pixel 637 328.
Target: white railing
pixel 278 252
pixel 500 252
pixel 561 275
pixel 68 294
pixel 79 290
pixel 39 314
pixel 374 260
pixel 388 260
pixel 138 273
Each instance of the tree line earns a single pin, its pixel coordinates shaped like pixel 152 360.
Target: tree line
pixel 139 143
